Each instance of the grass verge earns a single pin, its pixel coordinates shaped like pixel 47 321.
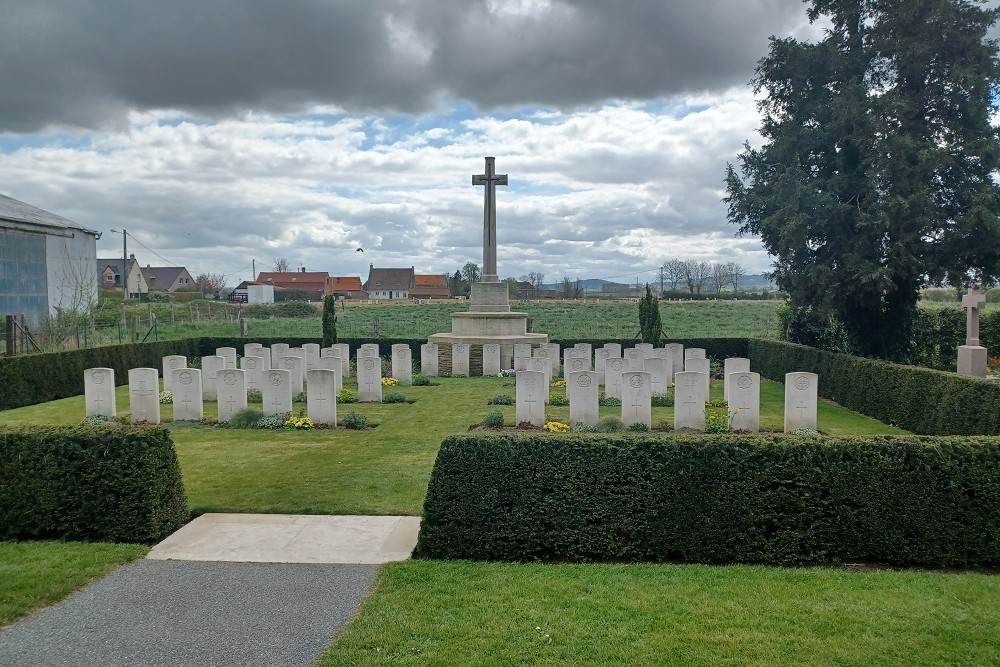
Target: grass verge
pixel 467 614
pixel 36 574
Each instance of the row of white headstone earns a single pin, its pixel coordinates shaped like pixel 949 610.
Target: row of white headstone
pixel 635 389
pixel 218 380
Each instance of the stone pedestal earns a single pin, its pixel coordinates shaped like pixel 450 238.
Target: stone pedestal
pixel 972 360
pixel 489 321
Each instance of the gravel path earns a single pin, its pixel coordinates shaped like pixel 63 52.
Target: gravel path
pixel 180 614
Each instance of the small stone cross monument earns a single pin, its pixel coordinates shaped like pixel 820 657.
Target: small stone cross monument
pixel 490 180
pixel 972 356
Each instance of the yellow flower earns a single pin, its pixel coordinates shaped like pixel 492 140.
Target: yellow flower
pixel 388 382
pixel 558 383
pixel 556 427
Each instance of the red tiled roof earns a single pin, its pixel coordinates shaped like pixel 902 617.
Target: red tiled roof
pixel 432 280
pixel 344 284
pixel 312 280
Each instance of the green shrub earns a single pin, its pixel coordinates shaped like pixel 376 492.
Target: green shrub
pixel 664 400
pixel 95 420
pixel 501 399
pixel 920 400
pixel 612 402
pixel 294 309
pixel 558 399
pixel 493 420
pixel 394 397
pixel 99 483
pixel 347 396
pixel 901 500
pixel 609 425
pixel 640 427
pixel 272 421
pixel 245 418
pixel 421 381
pixel 255 396
pixel 355 421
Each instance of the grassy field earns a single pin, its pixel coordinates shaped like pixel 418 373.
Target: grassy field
pixel 464 614
pixel 36 574
pixel 559 319
pixel 378 471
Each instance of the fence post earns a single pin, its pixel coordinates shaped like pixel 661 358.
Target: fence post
pixel 11 333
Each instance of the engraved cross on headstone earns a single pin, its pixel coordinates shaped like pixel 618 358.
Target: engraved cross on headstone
pixel 143 394
pixel 972 302
pixel 490 180
pixel 689 400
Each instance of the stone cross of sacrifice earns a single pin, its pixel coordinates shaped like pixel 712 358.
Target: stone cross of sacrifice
pixel 973 303
pixel 490 180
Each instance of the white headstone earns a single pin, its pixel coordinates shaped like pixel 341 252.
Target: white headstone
pixel 265 354
pixel 232 390
pixel 188 402
pixel 575 361
pixel 522 353
pixel 402 363
pixel 277 392
pixel 730 366
pixel 689 401
pixel 251 349
pixel 253 370
pixel 613 369
pixel 429 359
pixel 801 397
pixel 171 363
pixel 582 391
pixel 646 348
pixel 601 358
pixel 369 379
pixel 344 352
pixel 368 350
pixel 542 365
pixel 744 401
pixel 693 353
pixel 210 367
pixel 588 350
pixel 491 359
pixel 99 392
pixel 555 358
pixel 506 357
pixel 636 398
pixel 658 374
pixel 227 353
pixel 667 355
pixel 295 365
pixel 677 350
pixel 703 366
pixel 278 350
pixel 332 364
pixel 614 348
pixel 312 355
pixel 530 389
pixel 634 359
pixel 321 401
pixel 144 395
pixel 459 359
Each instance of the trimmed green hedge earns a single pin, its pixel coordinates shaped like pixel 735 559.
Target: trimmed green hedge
pixel 38 378
pixel 916 399
pixel 715 499
pixel 102 483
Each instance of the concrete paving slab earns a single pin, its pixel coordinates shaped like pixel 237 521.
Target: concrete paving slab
pixel 292 538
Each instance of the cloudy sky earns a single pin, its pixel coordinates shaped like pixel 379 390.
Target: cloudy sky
pixel 224 131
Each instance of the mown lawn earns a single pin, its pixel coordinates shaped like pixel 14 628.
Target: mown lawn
pixel 36 574
pixel 378 471
pixel 465 614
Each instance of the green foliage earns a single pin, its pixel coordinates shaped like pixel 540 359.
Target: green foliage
pixel 394 397
pixel 493 420
pixel 717 417
pixel 114 483
pixel 501 399
pixel 650 326
pixel 805 326
pixel 558 400
pixel 611 402
pixel 609 425
pixel 245 418
pixel 920 400
pixel 355 421
pixel 715 499
pixel 421 381
pixel 95 420
pixel 272 422
pixel 639 427
pixel 876 172
pixel 347 396
pixel 329 320
pixel 664 400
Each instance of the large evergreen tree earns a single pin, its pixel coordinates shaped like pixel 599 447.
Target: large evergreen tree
pixel 876 172
pixel 650 326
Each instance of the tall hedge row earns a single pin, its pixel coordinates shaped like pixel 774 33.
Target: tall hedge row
pixel 106 483
pixel 715 499
pixel 921 400
pixel 37 378
pixel 937 333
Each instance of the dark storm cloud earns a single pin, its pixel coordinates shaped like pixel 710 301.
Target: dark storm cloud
pixel 86 63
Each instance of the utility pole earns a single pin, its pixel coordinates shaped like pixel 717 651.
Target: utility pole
pixel 124 264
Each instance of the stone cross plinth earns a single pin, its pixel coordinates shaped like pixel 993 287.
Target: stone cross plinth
pixel 972 356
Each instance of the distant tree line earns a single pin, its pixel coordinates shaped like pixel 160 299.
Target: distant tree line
pixel 697 276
